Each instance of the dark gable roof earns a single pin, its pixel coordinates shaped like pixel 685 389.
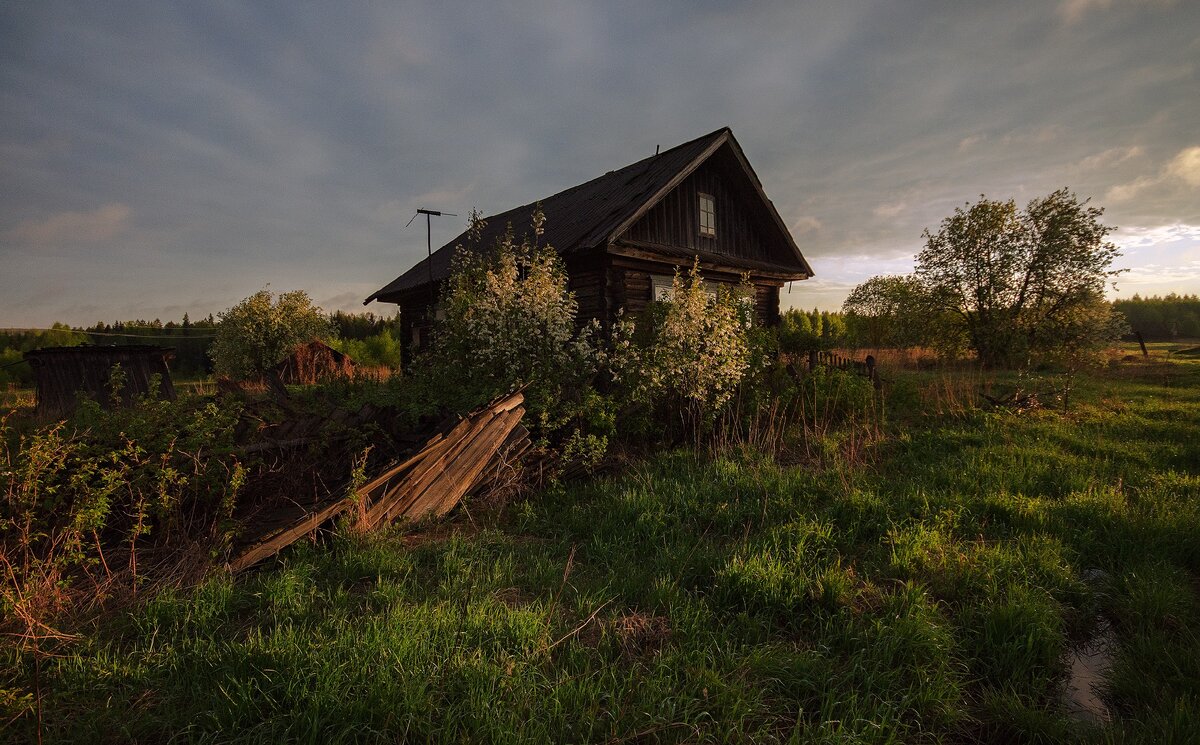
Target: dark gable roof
pixel 596 212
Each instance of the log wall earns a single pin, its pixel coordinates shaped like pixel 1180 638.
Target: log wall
pixel 62 374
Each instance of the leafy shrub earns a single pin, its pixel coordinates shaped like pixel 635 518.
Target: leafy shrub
pixel 257 333
pixel 831 395
pixel 691 355
pixel 509 322
pixel 380 349
pixel 76 494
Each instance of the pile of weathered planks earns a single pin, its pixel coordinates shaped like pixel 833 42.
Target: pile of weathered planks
pixel 461 459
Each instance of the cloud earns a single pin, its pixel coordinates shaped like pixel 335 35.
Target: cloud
pixel 1144 237
pixel 1073 11
pixel 1160 274
pixel 100 224
pixel 350 302
pixel 969 142
pixel 889 210
pixel 1183 167
pixel 1125 192
pixel 1111 157
pixel 1186 166
pixel 805 224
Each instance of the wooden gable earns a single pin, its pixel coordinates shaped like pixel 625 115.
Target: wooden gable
pixel 744 231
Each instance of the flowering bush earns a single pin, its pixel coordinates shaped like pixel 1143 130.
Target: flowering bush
pixel 694 355
pixel 254 335
pixel 510 321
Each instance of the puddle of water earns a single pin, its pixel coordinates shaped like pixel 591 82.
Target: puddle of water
pixel 1090 664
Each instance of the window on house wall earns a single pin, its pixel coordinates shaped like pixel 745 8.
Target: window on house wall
pixel 708 216
pixel 661 288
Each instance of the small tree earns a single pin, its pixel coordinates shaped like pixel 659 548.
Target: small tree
pixel 886 311
pixel 698 351
pixel 257 333
pixel 1009 275
pixel 796 333
pixel 1079 337
pixel 510 321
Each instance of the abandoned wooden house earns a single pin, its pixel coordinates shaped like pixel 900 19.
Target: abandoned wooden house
pixel 63 374
pixel 623 235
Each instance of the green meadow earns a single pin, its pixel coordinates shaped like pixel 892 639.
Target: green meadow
pixel 923 583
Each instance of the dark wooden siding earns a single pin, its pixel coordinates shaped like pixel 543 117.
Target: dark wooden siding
pixel 631 287
pixel 605 283
pixel 675 221
pixel 61 373
pixel 766 303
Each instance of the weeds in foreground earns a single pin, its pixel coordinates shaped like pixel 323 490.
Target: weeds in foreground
pixel 930 597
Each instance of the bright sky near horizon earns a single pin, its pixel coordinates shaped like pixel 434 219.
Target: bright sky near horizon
pixel 160 157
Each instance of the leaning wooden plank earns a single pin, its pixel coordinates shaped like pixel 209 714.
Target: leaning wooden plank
pixel 442 496
pixel 508 403
pixel 412 489
pixel 428 473
pixel 433 446
pixel 420 481
pixel 387 507
pixel 475 463
pixel 510 452
pixel 276 542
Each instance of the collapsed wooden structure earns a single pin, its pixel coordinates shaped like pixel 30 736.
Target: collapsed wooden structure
pixel 463 458
pixel 62 374
pixel 314 362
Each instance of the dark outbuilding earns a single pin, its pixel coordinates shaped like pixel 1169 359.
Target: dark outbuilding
pixel 624 235
pixel 314 362
pixel 61 374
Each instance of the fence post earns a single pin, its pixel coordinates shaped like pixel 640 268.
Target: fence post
pixel 812 360
pixel 1142 343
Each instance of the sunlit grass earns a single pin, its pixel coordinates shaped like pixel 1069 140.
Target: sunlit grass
pixel 929 595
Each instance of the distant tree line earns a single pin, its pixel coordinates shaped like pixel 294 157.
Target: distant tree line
pixel 368 338
pixel 1162 318
pixel 801 330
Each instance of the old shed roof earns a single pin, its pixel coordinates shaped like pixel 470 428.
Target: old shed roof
pixel 595 212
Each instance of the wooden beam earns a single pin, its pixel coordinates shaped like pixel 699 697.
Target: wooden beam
pixel 647 252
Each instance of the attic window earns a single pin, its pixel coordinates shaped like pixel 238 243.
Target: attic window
pixel 708 218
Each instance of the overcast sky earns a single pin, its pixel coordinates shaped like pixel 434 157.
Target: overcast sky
pixel 165 157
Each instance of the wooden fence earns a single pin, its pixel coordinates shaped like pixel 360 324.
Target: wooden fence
pixel 866 368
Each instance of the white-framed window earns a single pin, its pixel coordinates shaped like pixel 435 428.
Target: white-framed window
pixel 661 288
pixel 708 216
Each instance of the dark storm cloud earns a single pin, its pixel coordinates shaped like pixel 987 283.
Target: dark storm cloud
pixel 157 157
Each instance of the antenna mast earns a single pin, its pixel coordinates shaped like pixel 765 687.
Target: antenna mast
pixel 429 247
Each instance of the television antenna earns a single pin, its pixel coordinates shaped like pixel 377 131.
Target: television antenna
pixel 429 242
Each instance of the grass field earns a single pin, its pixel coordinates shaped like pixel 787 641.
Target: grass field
pixel 928 590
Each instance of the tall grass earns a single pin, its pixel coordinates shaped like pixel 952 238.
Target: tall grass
pixel 929 597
